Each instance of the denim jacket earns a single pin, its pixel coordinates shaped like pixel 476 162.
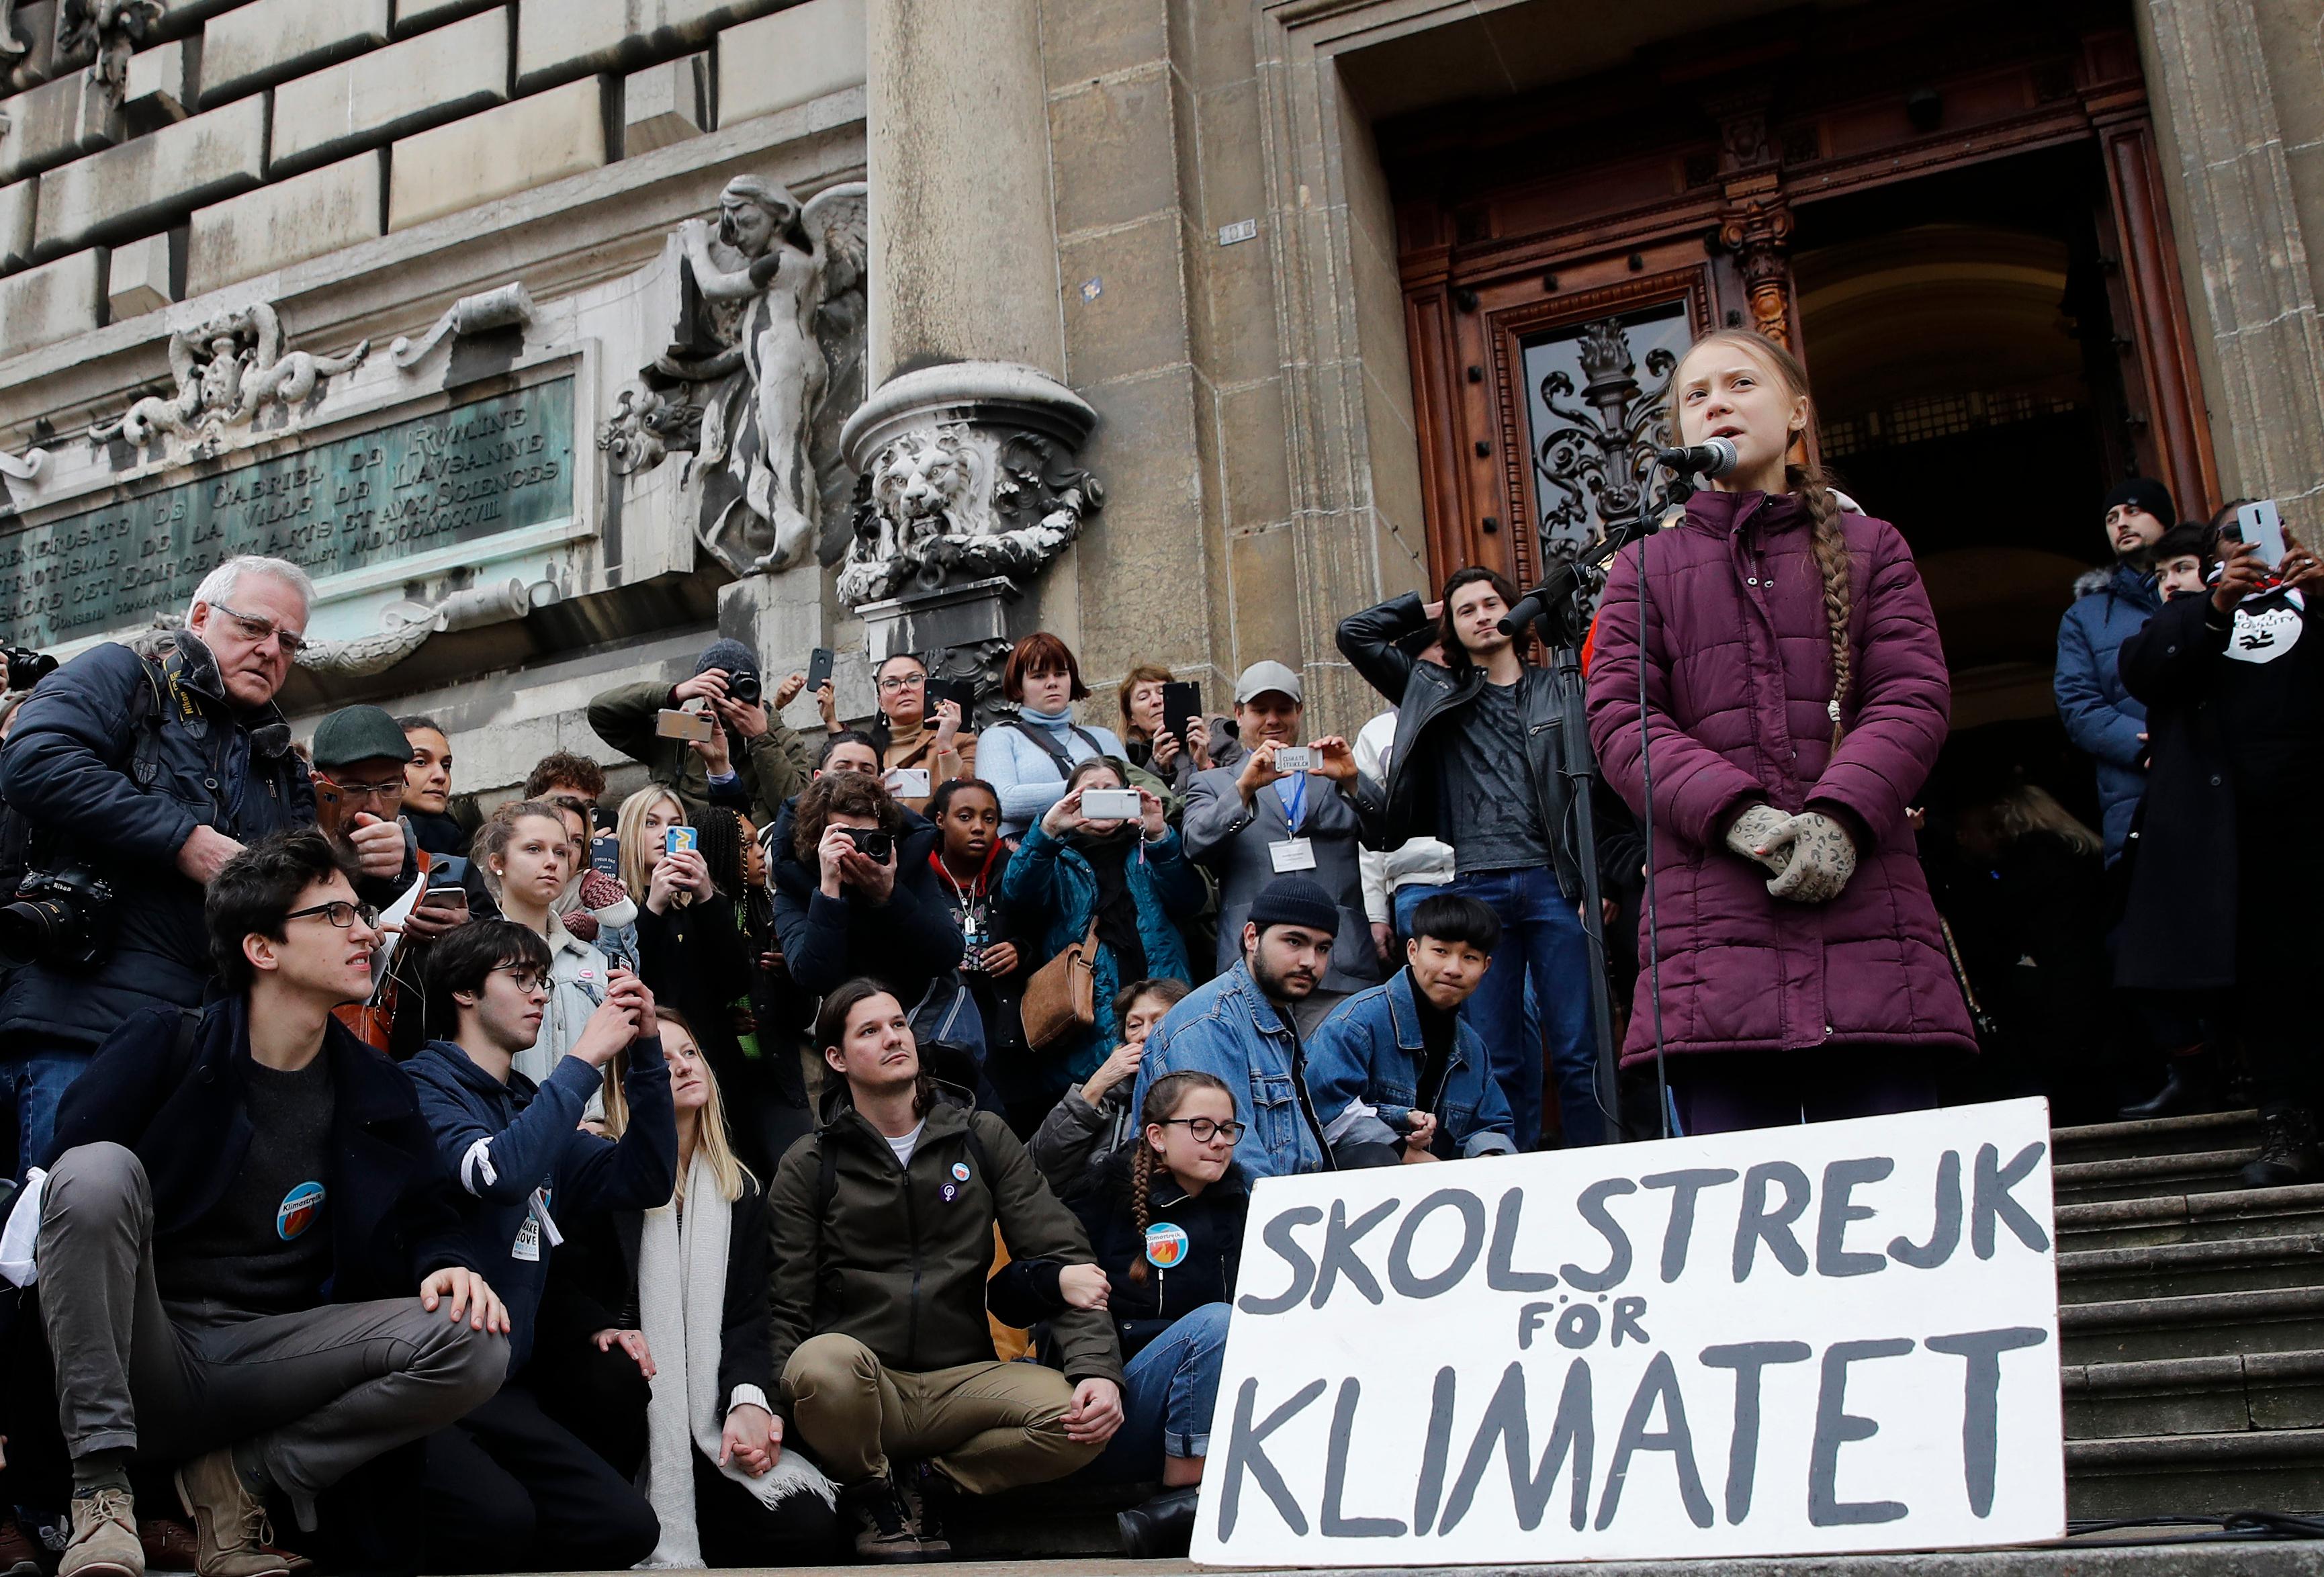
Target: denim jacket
pixel 1230 1030
pixel 1366 1075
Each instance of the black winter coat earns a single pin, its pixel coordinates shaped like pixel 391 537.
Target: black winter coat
pixel 1212 1220
pixel 394 1217
pixel 67 767
pixel 906 943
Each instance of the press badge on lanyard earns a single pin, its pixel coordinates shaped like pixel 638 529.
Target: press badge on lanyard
pixel 1295 852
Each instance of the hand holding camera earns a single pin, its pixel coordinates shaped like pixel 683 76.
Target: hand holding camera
pixel 862 858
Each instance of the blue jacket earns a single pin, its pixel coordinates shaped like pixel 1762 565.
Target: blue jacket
pixel 1368 1055
pixel 1052 891
pixel 177 1100
pixel 1229 1029
pixel 2101 717
pixel 519 1147
pixel 70 766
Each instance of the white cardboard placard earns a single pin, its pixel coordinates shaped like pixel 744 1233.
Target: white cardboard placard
pixel 1841 1336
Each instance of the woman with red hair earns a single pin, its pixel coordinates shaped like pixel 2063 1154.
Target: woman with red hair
pixel 1027 758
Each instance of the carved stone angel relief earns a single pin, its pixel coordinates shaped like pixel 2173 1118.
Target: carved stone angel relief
pixel 765 355
pixel 230 372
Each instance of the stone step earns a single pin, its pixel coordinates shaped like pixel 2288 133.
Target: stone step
pixel 2190 1218
pixel 2189 1475
pixel 2089 1276
pixel 2171 1552
pixel 2157 1136
pixel 2202 1325
pixel 2194 1396
pixel 2143 1177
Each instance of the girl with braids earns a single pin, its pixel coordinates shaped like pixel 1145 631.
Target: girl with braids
pixel 1795 699
pixel 1165 1222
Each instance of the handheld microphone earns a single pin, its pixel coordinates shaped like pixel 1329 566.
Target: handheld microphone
pixel 1712 458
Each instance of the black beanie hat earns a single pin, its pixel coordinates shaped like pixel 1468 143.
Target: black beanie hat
pixel 2144 492
pixel 1294 900
pixel 731 655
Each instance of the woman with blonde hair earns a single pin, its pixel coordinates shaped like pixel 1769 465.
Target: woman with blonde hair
pixel 1767 685
pixel 525 854
pixel 686 1286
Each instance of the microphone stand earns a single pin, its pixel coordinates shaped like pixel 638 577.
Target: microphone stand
pixel 1563 625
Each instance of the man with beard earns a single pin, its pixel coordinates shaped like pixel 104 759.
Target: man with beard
pixel 2111 604
pixel 1239 1028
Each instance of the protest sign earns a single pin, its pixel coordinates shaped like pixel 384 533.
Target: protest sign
pixel 1840 1336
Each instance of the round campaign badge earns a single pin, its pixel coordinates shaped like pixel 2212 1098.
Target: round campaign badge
pixel 949 1193
pixel 298 1211
pixel 960 1171
pixel 1166 1244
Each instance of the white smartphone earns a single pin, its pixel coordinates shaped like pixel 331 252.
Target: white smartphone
pixel 1294 758
pixel 1110 804
pixel 909 782
pixel 2263 528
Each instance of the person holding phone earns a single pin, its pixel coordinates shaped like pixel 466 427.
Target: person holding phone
pixel 1086 869
pixel 914 738
pixel 1026 758
pixel 754 761
pixel 1165 731
pixel 854 894
pixel 2223 887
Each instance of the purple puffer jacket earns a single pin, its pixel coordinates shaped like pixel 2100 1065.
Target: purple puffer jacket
pixel 1739 683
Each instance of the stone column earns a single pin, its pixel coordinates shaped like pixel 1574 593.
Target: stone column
pixel 963 250
pixel 2208 74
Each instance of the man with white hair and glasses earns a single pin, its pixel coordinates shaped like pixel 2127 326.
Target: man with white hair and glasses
pixel 132 774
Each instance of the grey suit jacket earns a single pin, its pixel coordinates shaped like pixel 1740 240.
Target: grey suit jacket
pixel 1233 842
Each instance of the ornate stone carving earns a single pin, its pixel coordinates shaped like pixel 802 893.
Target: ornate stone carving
pixel 769 324
pixel 405 627
pixel 110 30
pixel 229 371
pixel 509 307
pixel 1759 233
pixel 14 46
pixel 31 467
pixel 968 474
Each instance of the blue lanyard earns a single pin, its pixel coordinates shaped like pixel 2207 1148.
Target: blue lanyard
pixel 1294 804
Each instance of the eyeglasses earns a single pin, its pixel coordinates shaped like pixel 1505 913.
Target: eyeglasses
pixel 1206 1128
pixel 255 629
pixel 900 682
pixel 389 791
pixel 340 913
pixel 523 976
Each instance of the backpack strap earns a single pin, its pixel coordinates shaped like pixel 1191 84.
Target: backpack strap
pixel 1049 746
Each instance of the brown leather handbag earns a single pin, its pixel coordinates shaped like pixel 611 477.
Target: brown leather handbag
pixel 1062 995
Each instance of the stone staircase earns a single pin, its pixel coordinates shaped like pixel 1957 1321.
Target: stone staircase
pixel 2191 1313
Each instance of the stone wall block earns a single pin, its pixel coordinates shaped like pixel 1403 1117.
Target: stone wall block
pixel 266 40
pixel 141 275
pixel 412 16
pixel 435 77
pixel 1125 304
pixel 568 38
pixel 664 104
pixel 1113 149
pixel 160 86
pixel 54 122
pixel 19 202
pixel 53 301
pixel 1140 550
pixel 791 58
pixel 519 145
pixel 144 183
pixel 1081 40
pixel 287 222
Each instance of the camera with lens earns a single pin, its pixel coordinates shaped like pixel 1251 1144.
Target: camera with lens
pixel 27 668
pixel 874 844
pixel 743 687
pixel 58 918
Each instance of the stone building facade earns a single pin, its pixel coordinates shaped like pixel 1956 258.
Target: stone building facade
pixel 556 336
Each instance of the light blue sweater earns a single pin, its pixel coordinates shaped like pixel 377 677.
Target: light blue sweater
pixel 1026 776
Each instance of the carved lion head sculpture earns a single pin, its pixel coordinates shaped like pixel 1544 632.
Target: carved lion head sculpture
pixel 921 485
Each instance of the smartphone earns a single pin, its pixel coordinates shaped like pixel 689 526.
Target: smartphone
pixel 698 726
pixel 677 839
pixel 1110 804
pixel 909 782
pixel 2262 526
pixel 450 899
pixel 1181 704
pixel 958 690
pixel 331 807
pixel 818 669
pixel 1294 758
pixel 605 854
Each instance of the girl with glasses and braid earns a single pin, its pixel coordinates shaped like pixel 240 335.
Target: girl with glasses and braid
pixel 1795 698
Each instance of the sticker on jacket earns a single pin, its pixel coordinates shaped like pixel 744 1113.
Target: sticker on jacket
pixel 1166 1244
pixel 2264 635
pixel 298 1211
pixel 960 1171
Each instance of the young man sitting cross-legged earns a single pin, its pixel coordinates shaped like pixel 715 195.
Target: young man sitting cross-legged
pixel 249 1259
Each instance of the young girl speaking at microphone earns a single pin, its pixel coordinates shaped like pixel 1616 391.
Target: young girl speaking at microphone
pixel 1796 698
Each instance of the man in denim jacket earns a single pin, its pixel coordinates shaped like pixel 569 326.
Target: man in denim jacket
pixel 1398 1074
pixel 1238 1028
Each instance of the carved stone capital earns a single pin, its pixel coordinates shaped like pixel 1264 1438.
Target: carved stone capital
pixel 228 373
pixel 968 472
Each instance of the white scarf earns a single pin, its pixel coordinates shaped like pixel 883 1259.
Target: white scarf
pixel 681 1309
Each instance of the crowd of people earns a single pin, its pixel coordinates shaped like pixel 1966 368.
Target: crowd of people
pixel 855 1122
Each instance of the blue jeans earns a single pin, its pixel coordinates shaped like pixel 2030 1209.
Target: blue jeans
pixel 1167 1393
pixel 32 1082
pixel 1543 945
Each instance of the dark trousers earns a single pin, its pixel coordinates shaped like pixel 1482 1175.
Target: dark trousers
pixel 508 1489
pixel 1727 1092
pixel 736 1530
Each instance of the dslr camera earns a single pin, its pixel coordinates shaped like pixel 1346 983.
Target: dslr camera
pixel 60 918
pixel 874 843
pixel 743 687
pixel 27 668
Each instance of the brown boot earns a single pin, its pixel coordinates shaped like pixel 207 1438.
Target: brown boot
pixel 231 1531
pixel 103 1537
pixel 19 1556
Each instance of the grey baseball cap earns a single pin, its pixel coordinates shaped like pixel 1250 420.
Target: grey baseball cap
pixel 1262 676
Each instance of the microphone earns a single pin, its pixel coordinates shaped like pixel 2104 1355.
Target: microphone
pixel 1534 602
pixel 1714 457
